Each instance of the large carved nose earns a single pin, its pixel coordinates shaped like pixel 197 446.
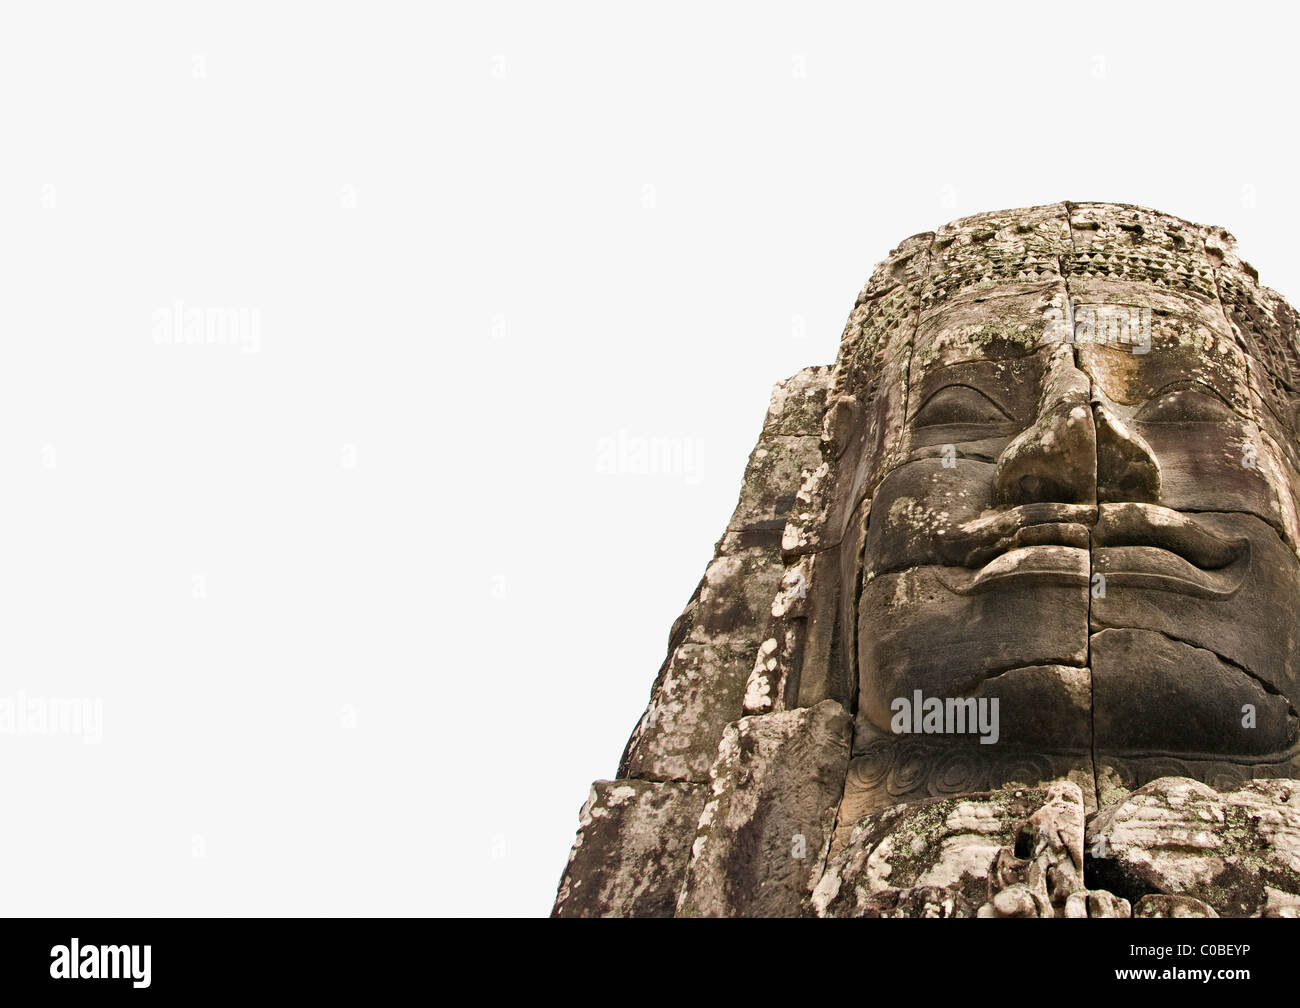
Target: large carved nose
pixel 1056 458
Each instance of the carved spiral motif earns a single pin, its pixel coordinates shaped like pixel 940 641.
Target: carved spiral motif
pixel 869 770
pixel 959 771
pixel 909 772
pixel 1025 768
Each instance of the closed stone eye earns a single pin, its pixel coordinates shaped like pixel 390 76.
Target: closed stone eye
pixel 1185 405
pixel 959 404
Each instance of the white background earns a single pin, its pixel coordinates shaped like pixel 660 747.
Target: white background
pixel 359 598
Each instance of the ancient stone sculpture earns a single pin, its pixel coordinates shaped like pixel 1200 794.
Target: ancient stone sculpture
pixel 1036 529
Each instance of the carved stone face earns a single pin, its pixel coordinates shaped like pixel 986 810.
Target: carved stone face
pixel 1097 532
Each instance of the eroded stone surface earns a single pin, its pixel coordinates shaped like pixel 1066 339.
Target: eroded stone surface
pixel 922 901
pixel 1160 906
pixel 700 693
pixel 763 833
pixel 1238 850
pixel 946 842
pixel 1097 903
pixel 799 403
pixel 629 857
pixel 1175 848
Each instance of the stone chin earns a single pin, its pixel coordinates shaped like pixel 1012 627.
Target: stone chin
pixel 1170 617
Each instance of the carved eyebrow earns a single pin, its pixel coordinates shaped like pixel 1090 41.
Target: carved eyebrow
pixel 962 385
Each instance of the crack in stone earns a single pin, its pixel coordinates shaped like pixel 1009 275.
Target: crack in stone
pixel 1092 691
pixel 1266 686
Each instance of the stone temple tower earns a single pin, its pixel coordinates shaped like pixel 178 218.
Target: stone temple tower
pixel 1011 593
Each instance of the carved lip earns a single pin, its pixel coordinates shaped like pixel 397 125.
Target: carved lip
pixel 1040 564
pixel 1150 547
pixel 1134 545
pixel 983 540
pixel 1043 543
